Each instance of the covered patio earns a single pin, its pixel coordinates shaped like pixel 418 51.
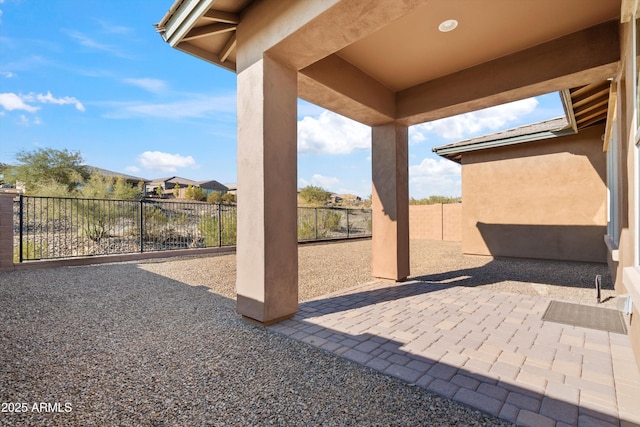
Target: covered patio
pixel 158 342
pixel 391 64
pixel 385 63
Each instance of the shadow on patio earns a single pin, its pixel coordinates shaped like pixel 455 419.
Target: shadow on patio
pixel 485 348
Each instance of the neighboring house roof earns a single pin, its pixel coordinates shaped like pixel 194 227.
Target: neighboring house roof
pixel 532 132
pixel 174 180
pixel 212 185
pixel 106 172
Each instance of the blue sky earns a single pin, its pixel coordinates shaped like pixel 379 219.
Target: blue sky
pixel 95 77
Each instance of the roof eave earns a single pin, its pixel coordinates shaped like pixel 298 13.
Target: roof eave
pixel 181 18
pixel 452 153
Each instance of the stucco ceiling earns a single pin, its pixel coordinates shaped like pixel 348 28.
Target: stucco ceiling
pixel 412 50
pixel 350 50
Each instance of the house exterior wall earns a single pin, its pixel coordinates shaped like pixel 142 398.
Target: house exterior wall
pixel 562 216
pixel 626 269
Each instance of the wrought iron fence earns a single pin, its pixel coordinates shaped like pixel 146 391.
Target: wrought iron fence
pixel 54 227
pixel 333 223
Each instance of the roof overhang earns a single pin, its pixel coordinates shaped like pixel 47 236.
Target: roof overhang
pixel 384 60
pixel 583 107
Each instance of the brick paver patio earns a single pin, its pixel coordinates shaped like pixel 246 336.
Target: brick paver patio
pixel 489 350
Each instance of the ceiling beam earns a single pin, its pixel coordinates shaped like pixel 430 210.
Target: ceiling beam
pixel 591 97
pixel 586 90
pixel 326 97
pixel 602 113
pixel 300 33
pixel 593 105
pixel 208 30
pixel 206 55
pixel 577 59
pixel 353 83
pixel 228 47
pixel 219 16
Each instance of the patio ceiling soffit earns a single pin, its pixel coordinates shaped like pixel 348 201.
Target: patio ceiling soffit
pixel 587 56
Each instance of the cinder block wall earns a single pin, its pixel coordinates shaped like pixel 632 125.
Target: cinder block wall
pixel 435 222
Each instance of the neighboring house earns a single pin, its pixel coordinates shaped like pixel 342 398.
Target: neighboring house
pixel 130 179
pixel 168 185
pixel 211 186
pixel 537 191
pixel 232 188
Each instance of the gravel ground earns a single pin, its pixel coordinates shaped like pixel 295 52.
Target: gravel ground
pixel 159 343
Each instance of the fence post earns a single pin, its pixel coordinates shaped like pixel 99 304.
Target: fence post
pixel 347 223
pixel 315 223
pixel 219 225
pixel 6 230
pixel 21 222
pixel 141 207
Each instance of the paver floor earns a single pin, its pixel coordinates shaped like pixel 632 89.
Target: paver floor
pixel 489 350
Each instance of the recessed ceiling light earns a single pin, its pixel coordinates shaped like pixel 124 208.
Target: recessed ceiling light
pixel 448 25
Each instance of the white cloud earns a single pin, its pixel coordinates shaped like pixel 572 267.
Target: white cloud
pixel 132 169
pixel 331 133
pixel 26 122
pixel 88 42
pixel 196 106
pixel 110 28
pixel 148 84
pixel 164 162
pixel 326 182
pixel 11 101
pixel 7 74
pixel 435 177
pixel 48 98
pixel 488 119
pixel 308 109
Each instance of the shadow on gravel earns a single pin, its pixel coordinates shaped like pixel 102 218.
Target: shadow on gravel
pixel 123 346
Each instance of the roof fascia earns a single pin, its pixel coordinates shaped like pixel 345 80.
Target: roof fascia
pixel 570 129
pixel 184 19
pixel 448 151
pixel 567 105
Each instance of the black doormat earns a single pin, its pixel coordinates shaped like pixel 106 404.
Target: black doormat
pixel 586 316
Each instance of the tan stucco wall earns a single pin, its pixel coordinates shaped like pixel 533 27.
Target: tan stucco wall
pixel 627 274
pixel 544 199
pixel 436 222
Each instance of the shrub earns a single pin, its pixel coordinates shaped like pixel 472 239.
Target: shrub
pixel 155 222
pixel 329 221
pixel 214 197
pixel 229 198
pixel 314 195
pixel 306 228
pixel 195 193
pixel 30 250
pixel 208 228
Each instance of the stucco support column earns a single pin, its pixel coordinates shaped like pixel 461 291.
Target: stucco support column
pixel 267 241
pixel 390 203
